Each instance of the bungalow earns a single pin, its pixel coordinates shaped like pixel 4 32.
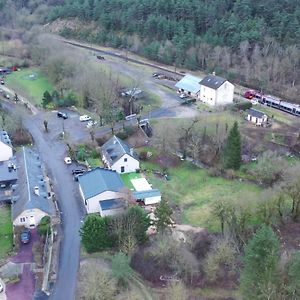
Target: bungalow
pixel 101 191
pixel 119 156
pixel 189 85
pixel 216 90
pixel 6 151
pixel 32 201
pixel 257 117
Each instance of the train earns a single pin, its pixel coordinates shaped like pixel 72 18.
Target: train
pixel 274 102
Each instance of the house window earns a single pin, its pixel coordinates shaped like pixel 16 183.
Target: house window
pixel 22 220
pixel 122 169
pixel 125 159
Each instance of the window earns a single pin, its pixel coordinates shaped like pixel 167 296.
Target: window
pixel 122 169
pixel 22 220
pixel 125 159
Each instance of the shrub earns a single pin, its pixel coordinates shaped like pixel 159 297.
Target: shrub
pixel 44 226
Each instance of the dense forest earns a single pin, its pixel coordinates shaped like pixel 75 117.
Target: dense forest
pixel 255 43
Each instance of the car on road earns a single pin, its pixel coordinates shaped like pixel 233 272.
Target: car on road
pixel 1 287
pixel 2 81
pixel 25 236
pixel 67 160
pixel 84 118
pixel 62 115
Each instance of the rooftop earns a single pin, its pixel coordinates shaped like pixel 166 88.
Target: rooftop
pixel 213 81
pixel 189 83
pixel 146 194
pixel 255 113
pixel 98 181
pixel 8 170
pixel 112 204
pixel 4 138
pixel 31 191
pixel 115 148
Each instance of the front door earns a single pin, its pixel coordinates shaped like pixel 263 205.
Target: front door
pixel 122 169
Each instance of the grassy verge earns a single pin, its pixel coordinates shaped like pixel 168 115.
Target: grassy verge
pixel 6 231
pixel 31 83
pixel 95 162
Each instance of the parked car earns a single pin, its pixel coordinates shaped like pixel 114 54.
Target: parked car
pixel 2 81
pixel 62 115
pixel 78 171
pixel 67 160
pixel 183 96
pixel 25 236
pixel 1 288
pixel 84 118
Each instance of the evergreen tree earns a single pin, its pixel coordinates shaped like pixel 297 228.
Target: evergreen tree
pixel 232 150
pixel 95 233
pixel 293 286
pixel 258 277
pixel 163 214
pixel 47 98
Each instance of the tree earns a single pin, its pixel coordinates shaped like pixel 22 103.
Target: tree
pixel 121 269
pixel 96 234
pixel 47 99
pixel 258 277
pixel 293 267
pixel 232 149
pixel 163 215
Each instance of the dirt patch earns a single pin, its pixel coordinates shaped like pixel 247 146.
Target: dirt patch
pixel 289 235
pixel 167 161
pixel 138 139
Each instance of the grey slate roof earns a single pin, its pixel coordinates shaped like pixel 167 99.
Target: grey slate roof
pixel 98 181
pixel 189 83
pixel 212 81
pixel 146 194
pixel 112 204
pixel 115 148
pixel 30 173
pixel 8 171
pixel 255 113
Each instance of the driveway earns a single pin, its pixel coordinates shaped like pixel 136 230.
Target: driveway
pixel 24 289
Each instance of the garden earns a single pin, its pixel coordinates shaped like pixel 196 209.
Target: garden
pixel 6 231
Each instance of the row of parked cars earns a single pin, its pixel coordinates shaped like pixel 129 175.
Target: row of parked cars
pixel 83 118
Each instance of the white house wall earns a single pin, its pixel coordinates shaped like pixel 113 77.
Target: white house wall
pixel 36 213
pixel 6 152
pixel 225 93
pixel 131 165
pixel 208 95
pixel 93 203
pixel 152 200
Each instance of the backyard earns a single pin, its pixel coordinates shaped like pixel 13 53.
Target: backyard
pixel 31 83
pixel 6 231
pixel 193 190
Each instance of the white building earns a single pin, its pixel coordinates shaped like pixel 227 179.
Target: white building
pixel 216 90
pixel 101 191
pixel 257 117
pixel 31 202
pixel 144 192
pixel 119 156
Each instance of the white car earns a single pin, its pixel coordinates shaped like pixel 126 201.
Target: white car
pixel 68 160
pixel 84 118
pixel 1 287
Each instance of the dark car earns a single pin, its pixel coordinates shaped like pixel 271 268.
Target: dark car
pixel 25 236
pixel 62 115
pixel 78 171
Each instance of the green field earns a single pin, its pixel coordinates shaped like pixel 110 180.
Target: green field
pixel 193 190
pixel 31 83
pixel 6 231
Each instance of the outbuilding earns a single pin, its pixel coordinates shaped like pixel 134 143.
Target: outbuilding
pixel 257 117
pixel 189 85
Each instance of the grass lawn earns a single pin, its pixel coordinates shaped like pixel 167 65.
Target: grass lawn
pixel 127 177
pixel 6 231
pixel 193 190
pixel 31 83
pixel 95 162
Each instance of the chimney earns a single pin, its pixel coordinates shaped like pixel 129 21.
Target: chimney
pixel 36 190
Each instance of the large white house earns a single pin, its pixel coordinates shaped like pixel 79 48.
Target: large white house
pixel 31 201
pixel 6 151
pixel 119 156
pixel 102 192
pixel 216 90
